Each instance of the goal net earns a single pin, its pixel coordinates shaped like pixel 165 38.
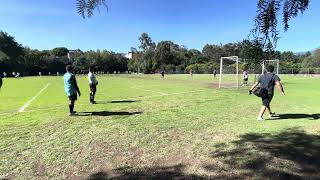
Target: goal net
pixel 273 62
pixel 229 72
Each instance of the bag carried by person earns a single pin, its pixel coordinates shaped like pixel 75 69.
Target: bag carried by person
pixel 262 92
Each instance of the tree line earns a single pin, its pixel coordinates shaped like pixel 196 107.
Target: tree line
pixel 149 57
pixel 16 58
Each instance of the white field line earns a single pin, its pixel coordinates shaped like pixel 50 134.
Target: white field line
pixel 162 93
pixel 33 98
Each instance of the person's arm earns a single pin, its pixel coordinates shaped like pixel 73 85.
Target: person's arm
pixel 280 87
pixel 76 85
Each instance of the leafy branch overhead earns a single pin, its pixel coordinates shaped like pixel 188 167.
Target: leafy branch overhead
pixel 266 21
pixel 86 8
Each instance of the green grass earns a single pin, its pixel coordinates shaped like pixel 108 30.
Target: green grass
pixel 145 126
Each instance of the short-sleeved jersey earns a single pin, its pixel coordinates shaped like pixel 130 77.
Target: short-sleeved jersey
pixel 92 78
pixel 69 86
pixel 245 75
pixel 267 78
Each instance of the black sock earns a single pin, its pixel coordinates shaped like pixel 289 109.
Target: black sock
pixel 90 97
pixel 71 108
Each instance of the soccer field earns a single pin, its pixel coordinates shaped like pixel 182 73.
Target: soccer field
pixel 147 127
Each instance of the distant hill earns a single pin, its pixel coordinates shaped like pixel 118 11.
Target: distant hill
pixel 303 53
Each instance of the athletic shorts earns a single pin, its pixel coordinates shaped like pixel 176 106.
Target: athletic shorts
pixel 245 79
pixel 93 87
pixel 73 97
pixel 267 100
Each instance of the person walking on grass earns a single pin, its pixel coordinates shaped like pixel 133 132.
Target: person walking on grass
pixel 214 72
pixel 92 84
pixel 71 88
pixel 268 81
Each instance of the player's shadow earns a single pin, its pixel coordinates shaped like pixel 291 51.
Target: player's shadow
pixel 123 101
pixel 297 116
pixel 108 113
pixel 117 102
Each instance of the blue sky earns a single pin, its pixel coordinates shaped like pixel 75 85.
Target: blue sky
pixel 45 24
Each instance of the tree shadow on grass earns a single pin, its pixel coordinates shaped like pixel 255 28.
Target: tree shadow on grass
pixel 108 113
pixel 291 154
pixel 297 116
pixel 171 172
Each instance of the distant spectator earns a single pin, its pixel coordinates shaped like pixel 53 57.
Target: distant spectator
pixel 245 78
pixel 162 74
pixel 214 72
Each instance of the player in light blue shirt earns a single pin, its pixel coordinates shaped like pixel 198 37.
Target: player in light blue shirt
pixel 71 88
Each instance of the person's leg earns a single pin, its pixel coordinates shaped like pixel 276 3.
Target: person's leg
pixel 262 110
pixel 71 106
pixel 94 90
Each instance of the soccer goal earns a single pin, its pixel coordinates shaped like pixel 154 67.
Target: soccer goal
pixel 229 72
pixel 274 62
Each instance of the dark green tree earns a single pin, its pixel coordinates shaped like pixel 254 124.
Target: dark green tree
pixel 146 42
pixel 60 51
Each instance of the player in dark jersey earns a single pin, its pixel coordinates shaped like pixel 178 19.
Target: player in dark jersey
pixel 268 81
pixel 162 74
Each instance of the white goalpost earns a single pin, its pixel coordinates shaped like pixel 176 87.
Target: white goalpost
pixel 274 62
pixel 233 59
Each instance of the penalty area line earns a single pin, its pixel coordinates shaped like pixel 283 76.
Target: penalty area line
pixel 33 98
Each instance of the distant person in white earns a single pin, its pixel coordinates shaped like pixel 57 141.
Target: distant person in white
pixel 92 84
pixel 245 78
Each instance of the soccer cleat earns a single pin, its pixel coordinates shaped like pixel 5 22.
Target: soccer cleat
pixel 271 115
pixel 73 113
pixel 260 119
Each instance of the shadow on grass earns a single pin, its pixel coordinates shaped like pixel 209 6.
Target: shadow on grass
pixel 123 101
pixel 291 154
pixel 108 113
pixel 297 116
pixel 171 172
pixel 117 102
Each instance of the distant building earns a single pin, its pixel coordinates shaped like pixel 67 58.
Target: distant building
pixel 128 55
pixel 73 53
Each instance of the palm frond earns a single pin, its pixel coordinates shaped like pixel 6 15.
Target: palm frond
pixel 86 8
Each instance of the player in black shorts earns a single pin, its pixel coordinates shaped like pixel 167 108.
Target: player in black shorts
pixel 268 80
